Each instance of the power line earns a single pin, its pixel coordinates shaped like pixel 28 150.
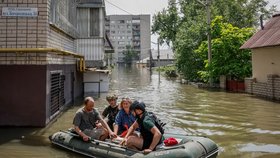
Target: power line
pixel 127 11
pixel 118 7
pixel 131 14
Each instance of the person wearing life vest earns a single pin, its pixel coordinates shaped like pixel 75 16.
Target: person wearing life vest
pixel 151 135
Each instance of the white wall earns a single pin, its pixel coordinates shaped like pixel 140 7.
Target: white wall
pixel 265 61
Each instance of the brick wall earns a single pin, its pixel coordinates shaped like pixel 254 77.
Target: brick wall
pixel 33 32
pixel 269 89
pixel 61 32
pixel 24 32
pixel 60 40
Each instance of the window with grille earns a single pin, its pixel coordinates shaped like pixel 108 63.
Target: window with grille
pixel 57 92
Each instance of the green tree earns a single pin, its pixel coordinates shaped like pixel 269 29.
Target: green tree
pixel 227 58
pixel 129 54
pixel 165 23
pixel 184 25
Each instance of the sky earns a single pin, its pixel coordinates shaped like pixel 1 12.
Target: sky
pixel 275 2
pixel 151 7
pixel 137 7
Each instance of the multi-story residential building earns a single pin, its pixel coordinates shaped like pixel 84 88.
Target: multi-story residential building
pixel 129 30
pixel 90 25
pixel 44 45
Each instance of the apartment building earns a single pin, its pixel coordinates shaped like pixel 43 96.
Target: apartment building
pixel 44 45
pixel 129 30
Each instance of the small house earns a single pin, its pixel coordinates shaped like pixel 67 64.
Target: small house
pixel 265 47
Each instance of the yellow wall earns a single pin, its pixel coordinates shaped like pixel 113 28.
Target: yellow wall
pixel 265 61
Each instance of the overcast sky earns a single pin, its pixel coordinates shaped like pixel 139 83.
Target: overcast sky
pixel 275 2
pixel 136 7
pixel 151 7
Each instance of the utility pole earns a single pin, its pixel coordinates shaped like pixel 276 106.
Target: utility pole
pixel 207 5
pixel 151 58
pixel 158 53
pixel 209 30
pixel 209 37
pixel 158 60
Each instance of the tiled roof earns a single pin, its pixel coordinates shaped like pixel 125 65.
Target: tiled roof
pixel 266 37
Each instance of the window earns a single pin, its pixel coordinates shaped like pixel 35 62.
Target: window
pixel 135 21
pixel 121 42
pixel 57 99
pixel 121 21
pixel 120 26
pixel 94 22
pixel 88 27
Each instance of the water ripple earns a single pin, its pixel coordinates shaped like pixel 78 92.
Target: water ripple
pixel 250 147
pixel 261 131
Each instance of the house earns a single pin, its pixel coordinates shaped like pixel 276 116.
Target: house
pixel 44 50
pixel 265 47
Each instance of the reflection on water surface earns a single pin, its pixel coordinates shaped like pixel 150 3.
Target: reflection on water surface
pixel 242 125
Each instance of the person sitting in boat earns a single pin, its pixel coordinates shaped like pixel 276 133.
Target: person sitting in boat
pixel 152 134
pixel 124 118
pixel 89 124
pixel 111 110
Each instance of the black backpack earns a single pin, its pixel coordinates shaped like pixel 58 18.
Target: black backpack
pixel 159 124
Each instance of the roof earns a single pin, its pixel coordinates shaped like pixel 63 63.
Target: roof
pixel 266 37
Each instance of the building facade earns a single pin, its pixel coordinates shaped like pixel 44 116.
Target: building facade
pixel 131 31
pixel 42 57
pixel 265 47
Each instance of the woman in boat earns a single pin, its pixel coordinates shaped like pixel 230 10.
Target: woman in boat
pixel 152 134
pixel 124 118
pixel 89 124
pixel 111 110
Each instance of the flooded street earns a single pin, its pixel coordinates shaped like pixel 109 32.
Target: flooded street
pixel 242 125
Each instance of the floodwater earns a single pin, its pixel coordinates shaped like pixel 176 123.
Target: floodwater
pixel 242 125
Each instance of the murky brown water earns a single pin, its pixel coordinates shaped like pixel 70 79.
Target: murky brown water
pixel 242 125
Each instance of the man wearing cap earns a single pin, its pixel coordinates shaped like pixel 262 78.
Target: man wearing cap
pixel 111 110
pixel 87 122
pixel 151 135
